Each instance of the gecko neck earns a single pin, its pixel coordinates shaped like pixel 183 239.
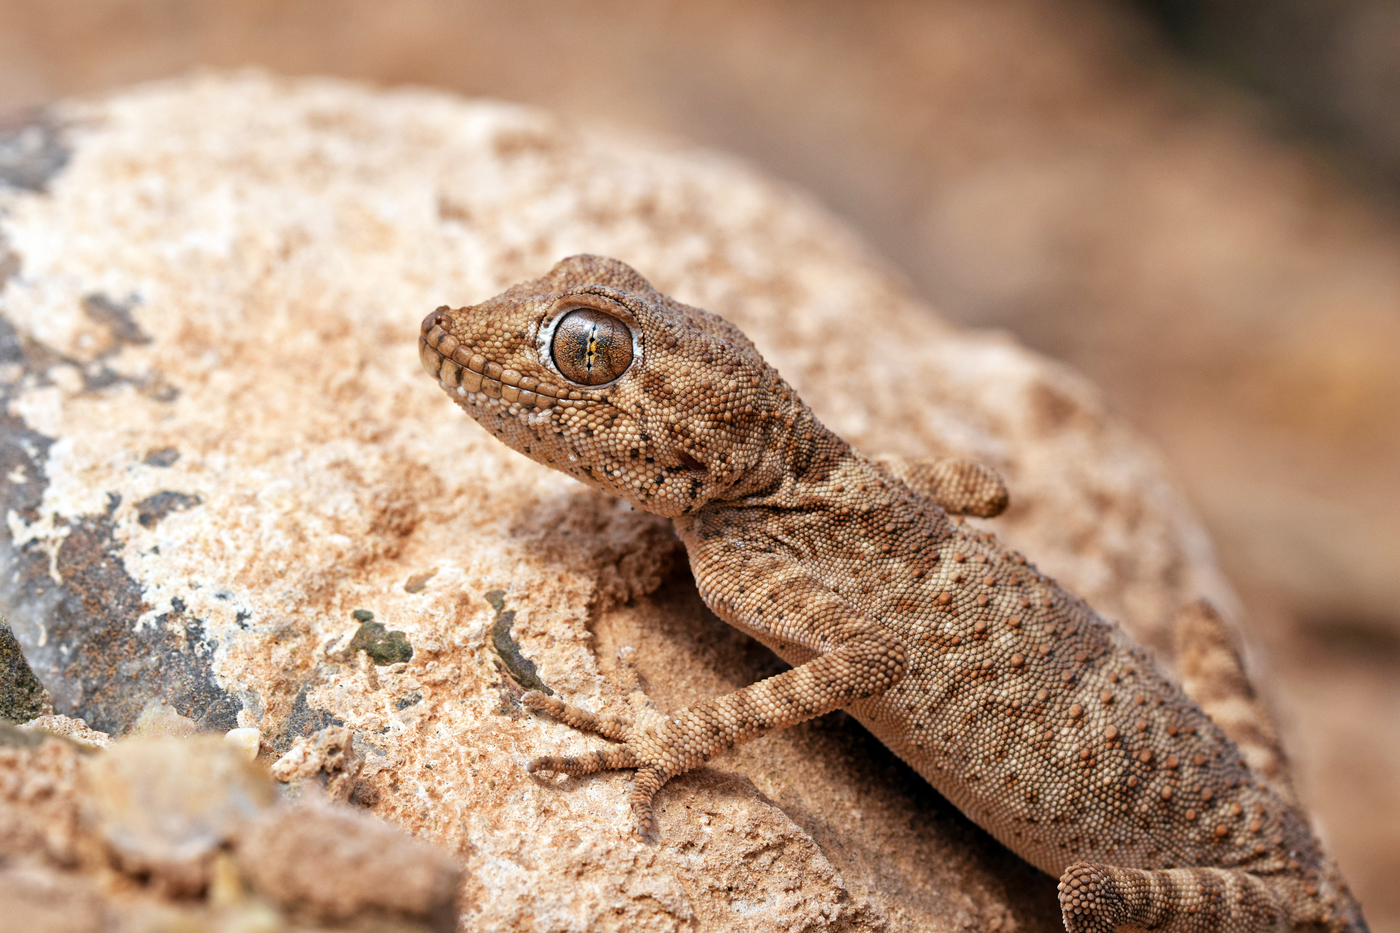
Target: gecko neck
pixel 801 454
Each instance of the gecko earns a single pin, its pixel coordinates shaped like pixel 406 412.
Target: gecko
pixel 1042 721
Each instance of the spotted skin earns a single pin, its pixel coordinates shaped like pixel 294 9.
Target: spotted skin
pixel 1042 721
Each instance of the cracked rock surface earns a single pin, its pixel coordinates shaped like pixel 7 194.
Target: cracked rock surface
pixel 229 487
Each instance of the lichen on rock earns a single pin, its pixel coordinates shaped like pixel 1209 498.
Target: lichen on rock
pixel 22 697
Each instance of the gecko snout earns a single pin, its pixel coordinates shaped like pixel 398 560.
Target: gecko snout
pixel 433 318
pixel 429 341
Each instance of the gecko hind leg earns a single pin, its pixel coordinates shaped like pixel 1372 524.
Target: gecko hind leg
pixel 958 486
pixel 1103 899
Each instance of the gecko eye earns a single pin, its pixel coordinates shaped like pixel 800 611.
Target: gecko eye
pixel 591 347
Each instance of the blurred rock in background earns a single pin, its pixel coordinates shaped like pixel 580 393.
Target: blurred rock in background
pixel 1329 68
pixel 1193 202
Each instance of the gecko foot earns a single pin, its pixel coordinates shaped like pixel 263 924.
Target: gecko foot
pixel 651 771
pixel 1101 899
pixel 608 725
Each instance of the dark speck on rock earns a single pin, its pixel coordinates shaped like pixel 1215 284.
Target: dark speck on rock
pixel 521 669
pixel 152 509
pixel 164 457
pixel 382 646
pixel 116 317
pixel 419 581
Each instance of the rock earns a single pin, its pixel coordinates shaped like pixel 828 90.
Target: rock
pixel 164 807
pixel 220 445
pixel 338 864
pixel 202 843
pixel 246 741
pixel 41 900
pixel 327 760
pixel 22 697
pixel 69 728
pixel 160 720
pixel 39 804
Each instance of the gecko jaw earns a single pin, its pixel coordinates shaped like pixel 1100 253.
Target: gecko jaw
pixel 462 373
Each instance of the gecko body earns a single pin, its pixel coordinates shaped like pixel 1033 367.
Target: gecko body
pixel 1043 722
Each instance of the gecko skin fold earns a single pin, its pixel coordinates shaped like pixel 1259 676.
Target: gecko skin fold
pixel 1042 721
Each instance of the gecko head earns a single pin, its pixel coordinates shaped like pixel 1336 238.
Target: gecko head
pixel 593 372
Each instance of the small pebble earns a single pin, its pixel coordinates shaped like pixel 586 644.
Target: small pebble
pixel 246 741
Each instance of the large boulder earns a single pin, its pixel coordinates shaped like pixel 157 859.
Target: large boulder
pixel 230 488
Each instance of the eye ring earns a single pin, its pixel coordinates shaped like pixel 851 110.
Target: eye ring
pixel 591 347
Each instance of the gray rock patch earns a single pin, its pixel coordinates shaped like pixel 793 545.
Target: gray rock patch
pixel 32 150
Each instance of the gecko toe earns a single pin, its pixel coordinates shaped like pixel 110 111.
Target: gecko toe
pixel 645 783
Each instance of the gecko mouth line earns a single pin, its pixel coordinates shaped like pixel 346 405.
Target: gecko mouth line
pixel 461 372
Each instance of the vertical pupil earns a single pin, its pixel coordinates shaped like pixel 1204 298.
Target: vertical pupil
pixel 591 347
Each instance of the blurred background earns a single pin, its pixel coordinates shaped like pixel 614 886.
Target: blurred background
pixel 1196 202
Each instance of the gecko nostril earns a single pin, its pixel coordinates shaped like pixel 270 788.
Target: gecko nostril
pixel 433 318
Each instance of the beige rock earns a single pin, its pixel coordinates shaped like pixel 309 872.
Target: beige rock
pixel 246 741
pixel 40 900
pixel 69 728
pixel 336 863
pixel 164 807
pixel 39 805
pixel 234 450
pixel 185 822
pixel 327 761
pixel 160 720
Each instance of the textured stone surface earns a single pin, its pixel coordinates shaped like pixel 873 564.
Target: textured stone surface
pixel 22 697
pixel 219 447
pixel 68 728
pixel 39 804
pixel 1038 165
pixel 339 864
pixel 41 900
pixel 183 834
pixel 164 807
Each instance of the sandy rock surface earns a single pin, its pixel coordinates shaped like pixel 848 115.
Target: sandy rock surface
pixel 171 834
pixel 73 729
pixel 224 466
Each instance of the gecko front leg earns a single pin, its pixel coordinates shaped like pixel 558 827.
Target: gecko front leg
pixel 854 659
